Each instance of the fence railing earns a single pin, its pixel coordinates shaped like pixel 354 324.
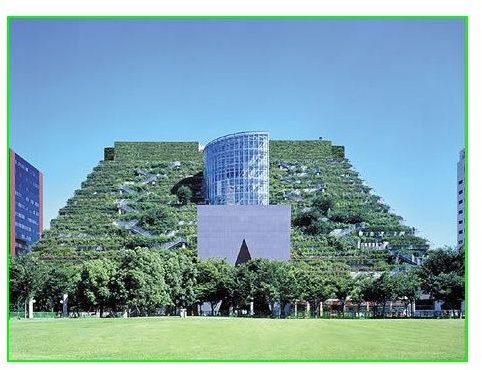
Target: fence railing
pixel 36 315
pixel 442 314
pixel 301 313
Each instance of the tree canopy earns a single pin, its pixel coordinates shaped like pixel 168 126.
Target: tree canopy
pixel 147 281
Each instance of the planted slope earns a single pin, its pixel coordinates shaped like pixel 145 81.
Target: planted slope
pixel 130 187
pixel 335 215
pixel 129 199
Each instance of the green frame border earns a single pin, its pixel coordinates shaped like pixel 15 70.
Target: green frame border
pixel 465 18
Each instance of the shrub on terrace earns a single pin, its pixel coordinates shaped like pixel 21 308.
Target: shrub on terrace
pixel 323 203
pixel 346 217
pixel 184 195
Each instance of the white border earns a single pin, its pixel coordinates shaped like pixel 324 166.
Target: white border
pixel 280 7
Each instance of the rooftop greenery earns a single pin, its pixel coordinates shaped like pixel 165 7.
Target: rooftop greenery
pixel 133 198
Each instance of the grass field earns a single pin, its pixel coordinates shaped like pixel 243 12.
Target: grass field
pixel 235 338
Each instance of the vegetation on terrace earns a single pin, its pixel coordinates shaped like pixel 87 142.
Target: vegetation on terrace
pixel 332 209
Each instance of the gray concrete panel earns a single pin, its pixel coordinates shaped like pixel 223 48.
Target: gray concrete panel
pixel 222 228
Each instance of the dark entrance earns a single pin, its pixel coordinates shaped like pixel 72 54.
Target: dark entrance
pixel 243 255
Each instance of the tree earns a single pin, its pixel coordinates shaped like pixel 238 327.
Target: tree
pixel 244 285
pixel 95 285
pixel 443 276
pixel 379 290
pixel 343 286
pixel 407 288
pixel 184 194
pixel 214 281
pixel 61 270
pixel 442 260
pixel 27 276
pixel 269 282
pixel 366 285
pixel 356 296
pixel 384 290
pixel 61 278
pixel 310 284
pixel 180 277
pixel 449 287
pixel 139 285
pixel 287 286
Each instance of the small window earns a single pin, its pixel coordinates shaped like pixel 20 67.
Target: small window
pixel 460 192
pixel 460 212
pixel 460 222
pixel 461 182
pixel 461 201
pixel 461 231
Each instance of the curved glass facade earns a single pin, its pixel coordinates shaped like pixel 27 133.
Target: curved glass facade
pixel 236 169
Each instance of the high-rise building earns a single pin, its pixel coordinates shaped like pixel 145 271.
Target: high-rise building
pixel 461 199
pixel 26 204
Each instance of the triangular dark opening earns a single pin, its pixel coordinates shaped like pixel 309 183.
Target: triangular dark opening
pixel 243 255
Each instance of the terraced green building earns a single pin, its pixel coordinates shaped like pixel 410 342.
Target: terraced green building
pixel 131 198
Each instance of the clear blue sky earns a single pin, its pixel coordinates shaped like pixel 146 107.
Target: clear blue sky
pixel 391 91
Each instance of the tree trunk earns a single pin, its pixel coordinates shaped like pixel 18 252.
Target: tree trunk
pixel 30 308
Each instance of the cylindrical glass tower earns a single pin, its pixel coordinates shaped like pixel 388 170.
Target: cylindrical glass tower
pixel 236 169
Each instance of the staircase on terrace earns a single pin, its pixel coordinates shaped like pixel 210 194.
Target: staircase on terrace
pixel 412 260
pixel 125 188
pixel 176 243
pixel 149 177
pixel 123 205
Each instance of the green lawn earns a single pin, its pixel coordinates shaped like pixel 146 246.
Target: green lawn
pixel 165 338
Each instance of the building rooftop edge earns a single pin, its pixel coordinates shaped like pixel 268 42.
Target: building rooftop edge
pixel 35 167
pixel 237 134
pixel 155 142
pixel 243 205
